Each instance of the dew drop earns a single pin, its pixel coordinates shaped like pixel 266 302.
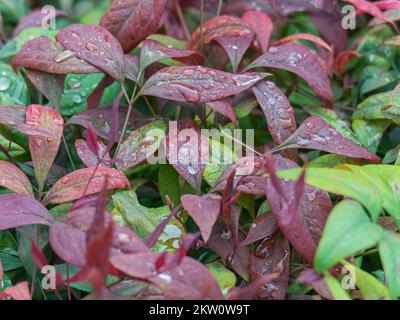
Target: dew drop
pixel 77 98
pixel 5 83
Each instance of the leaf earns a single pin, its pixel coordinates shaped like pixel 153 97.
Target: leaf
pixel 347 231
pixel 390 256
pixel 19 210
pixel 262 227
pixel 224 107
pixel 101 119
pixel 84 182
pixel 271 256
pixel 141 144
pixel 133 20
pixel 44 55
pixel 153 51
pixel 44 150
pixel 262 25
pixel 18 292
pixel 335 287
pixel 371 288
pixel 277 109
pixel 300 60
pixel 197 84
pixel 187 151
pixel 34 19
pixel 50 85
pixel 305 36
pixel 14 90
pixel 96 46
pixel 14 179
pixel 315 133
pixel 89 158
pixel 204 210
pixel 370 133
pixel 372 9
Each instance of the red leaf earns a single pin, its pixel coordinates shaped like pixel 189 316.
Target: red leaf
pixel 14 179
pixel 304 36
pixel 131 21
pixel 302 61
pixel 34 19
pixel 44 55
pixel 262 25
pixel 277 109
pixel 224 107
pixel 372 9
pixel 262 227
pixel 89 158
pixel 187 151
pixel 388 4
pixel 204 210
pixel 315 133
pixel 271 256
pixel 197 84
pixel 44 150
pixel 19 210
pixel 17 292
pixel 85 182
pixel 153 51
pixel 96 46
pixel 38 255
pixel 343 59
pixel 94 99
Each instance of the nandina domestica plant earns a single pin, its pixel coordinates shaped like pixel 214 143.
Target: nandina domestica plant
pixel 218 150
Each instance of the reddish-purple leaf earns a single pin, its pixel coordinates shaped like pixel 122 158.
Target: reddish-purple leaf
pixel 19 210
pixel 372 9
pixel 224 107
pixel 301 216
pixel 50 85
pixel 96 46
pixel 302 61
pixel 262 25
pixel 271 256
pixel 197 84
pixel 35 19
pixel 44 55
pixel 89 158
pixel 153 51
pixel 101 119
pixel 388 4
pixel 180 283
pixel 12 115
pixel 18 292
pixel 304 36
pixel 315 133
pixel 94 99
pixel 221 243
pixel 187 151
pixel 132 67
pixel 131 21
pixel 277 109
pixel 262 227
pixel 204 210
pixel 14 179
pixel 44 150
pixel 85 182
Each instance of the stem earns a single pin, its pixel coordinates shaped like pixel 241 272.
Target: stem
pixel 219 7
pixel 182 20
pixel 201 26
pixel 68 152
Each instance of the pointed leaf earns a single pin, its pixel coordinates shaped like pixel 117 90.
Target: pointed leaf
pixel 197 84
pixel 262 227
pixel 262 25
pixel 277 109
pixel 44 150
pixel 44 55
pixel 300 60
pixel 315 133
pixel 204 210
pixel 131 21
pixel 14 179
pixel 96 46
pixel 224 107
pixel 20 210
pixel 89 158
pixel 84 182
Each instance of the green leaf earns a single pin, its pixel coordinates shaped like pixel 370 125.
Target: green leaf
pixel 13 10
pixel 348 230
pixel 226 279
pixel 389 251
pixel 32 33
pixel 332 160
pixel 168 183
pixel 78 88
pixel 370 133
pixel 371 288
pixel 14 149
pixel 13 89
pixel 336 289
